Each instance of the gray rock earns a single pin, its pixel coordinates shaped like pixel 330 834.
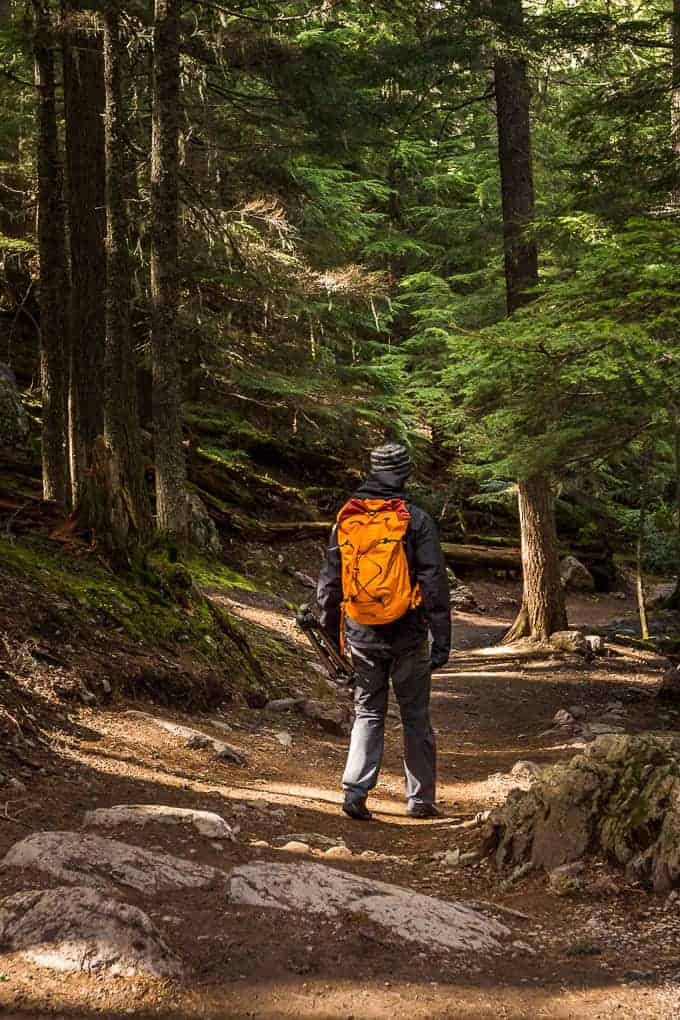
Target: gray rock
pixel 206 823
pixel 283 704
pixel 619 798
pixel 569 641
pixel 565 879
pixel 194 739
pixel 332 718
pixel 316 889
pixel 578 711
pixel 80 929
pixel 78 859
pixel 462 598
pixel 563 718
pixel 525 771
pixel 313 839
pixel 575 575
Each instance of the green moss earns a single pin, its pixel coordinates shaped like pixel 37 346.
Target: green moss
pixel 214 574
pixel 232 429
pixel 228 458
pixel 159 605
pixel 13 245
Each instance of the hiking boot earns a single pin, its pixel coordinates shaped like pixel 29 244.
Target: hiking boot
pixel 423 811
pixel 357 810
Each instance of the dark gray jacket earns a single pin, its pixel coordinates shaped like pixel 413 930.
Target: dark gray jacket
pixel 426 562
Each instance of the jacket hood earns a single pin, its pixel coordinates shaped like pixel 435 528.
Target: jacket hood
pixel 382 484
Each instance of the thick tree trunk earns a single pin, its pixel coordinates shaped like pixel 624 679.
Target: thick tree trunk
pixel 516 166
pixel 53 270
pixel 171 504
pixel 84 110
pixel 127 497
pixel 543 609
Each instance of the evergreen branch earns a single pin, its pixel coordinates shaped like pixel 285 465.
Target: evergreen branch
pixel 213 5
pixel 16 79
pixel 488 94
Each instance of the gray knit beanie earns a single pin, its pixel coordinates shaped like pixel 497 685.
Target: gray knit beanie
pixel 392 457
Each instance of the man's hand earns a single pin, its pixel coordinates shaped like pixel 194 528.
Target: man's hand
pixel 438 659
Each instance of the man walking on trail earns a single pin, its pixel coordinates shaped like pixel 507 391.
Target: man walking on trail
pixel 382 588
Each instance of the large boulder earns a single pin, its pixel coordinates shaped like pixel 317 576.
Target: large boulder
pixel 79 859
pixel 410 916
pixel 575 575
pixel 206 823
pixel 620 798
pixel 14 423
pixel 81 929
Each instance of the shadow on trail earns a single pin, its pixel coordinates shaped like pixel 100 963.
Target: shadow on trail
pixel 241 961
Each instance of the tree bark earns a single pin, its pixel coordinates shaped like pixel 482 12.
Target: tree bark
pixel 84 110
pixel 121 425
pixel 516 164
pixel 675 99
pixel 543 608
pixel 171 504
pixel 673 600
pixel 53 269
pixel 640 545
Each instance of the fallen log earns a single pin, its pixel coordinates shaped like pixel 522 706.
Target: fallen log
pixel 294 530
pixel 482 556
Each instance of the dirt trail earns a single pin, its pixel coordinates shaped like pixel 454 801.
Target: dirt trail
pixel 613 950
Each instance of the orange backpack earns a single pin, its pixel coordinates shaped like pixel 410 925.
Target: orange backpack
pixel 376 582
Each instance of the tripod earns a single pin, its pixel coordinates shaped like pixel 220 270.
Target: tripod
pixel 337 665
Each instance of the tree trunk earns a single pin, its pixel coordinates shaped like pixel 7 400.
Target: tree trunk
pixel 675 100
pixel 84 110
pixel 171 505
pixel 673 600
pixel 543 609
pixel 121 426
pixel 53 270
pixel 640 545
pixel 515 161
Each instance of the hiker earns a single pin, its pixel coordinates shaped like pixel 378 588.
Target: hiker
pixel 382 587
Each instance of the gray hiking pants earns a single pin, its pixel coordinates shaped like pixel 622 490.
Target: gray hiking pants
pixel 411 678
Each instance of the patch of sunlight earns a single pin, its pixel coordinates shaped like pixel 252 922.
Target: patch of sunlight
pixel 475 674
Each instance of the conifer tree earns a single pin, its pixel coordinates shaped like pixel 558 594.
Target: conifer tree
pixel 171 501
pixel 53 268
pixel 542 610
pixel 124 482
pixel 83 73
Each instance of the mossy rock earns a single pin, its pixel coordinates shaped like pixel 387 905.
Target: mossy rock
pixel 619 798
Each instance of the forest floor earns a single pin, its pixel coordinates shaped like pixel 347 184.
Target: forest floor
pixel 610 950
